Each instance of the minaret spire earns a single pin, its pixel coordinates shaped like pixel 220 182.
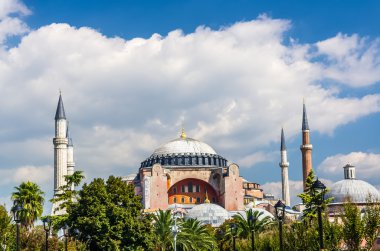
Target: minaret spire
pixel 284 164
pixel 60 142
pixel 306 148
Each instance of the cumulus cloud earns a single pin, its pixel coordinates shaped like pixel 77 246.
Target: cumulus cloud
pixel 351 60
pixel 233 88
pixel 38 174
pixel 10 22
pixel 367 165
pixel 255 158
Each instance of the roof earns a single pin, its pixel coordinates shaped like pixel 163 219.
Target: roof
pixel 183 145
pixel 283 146
pixel 358 191
pixel 208 213
pixel 60 113
pixel 305 123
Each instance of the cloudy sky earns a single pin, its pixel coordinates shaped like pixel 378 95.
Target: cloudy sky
pixel 232 72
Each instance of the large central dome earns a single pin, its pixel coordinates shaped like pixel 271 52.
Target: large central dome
pixel 184 151
pixel 184 146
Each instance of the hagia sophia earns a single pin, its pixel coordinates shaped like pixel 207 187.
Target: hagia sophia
pixel 189 175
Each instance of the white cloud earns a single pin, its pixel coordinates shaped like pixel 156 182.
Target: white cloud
pixel 10 21
pixel 367 166
pixel 38 174
pixel 233 87
pixel 352 60
pixel 255 158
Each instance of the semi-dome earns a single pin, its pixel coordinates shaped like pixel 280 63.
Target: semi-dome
pixel 357 191
pixel 184 151
pixel 208 213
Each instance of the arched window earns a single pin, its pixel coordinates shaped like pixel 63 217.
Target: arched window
pixel 175 200
pixel 190 187
pixel 183 200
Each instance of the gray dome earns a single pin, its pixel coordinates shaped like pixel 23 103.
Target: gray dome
pixel 208 213
pixel 183 146
pixel 357 190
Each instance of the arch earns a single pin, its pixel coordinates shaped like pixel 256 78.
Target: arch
pixel 181 193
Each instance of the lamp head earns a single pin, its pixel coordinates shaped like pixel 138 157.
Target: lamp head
pixel 280 209
pixel 47 223
pixel 233 228
pixel 16 210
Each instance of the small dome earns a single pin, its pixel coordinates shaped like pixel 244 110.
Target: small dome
pixel 357 190
pixel 208 213
pixel 183 145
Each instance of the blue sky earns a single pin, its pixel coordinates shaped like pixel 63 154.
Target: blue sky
pixel 233 72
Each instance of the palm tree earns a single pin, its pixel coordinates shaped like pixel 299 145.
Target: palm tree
pixel 253 222
pixel 162 227
pixel 30 197
pixel 195 236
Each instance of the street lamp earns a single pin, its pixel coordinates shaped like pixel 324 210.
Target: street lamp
pixel 175 230
pixel 280 215
pixel 66 234
pixel 318 190
pixel 233 228
pixel 47 225
pixel 16 217
pixel 252 220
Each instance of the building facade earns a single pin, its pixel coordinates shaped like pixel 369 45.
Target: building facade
pixel 189 172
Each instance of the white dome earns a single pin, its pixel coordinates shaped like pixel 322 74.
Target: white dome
pixel 208 213
pixel 183 146
pixel 357 190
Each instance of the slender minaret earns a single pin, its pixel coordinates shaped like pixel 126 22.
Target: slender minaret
pixel 284 164
pixel 306 148
pixel 70 155
pixel 60 150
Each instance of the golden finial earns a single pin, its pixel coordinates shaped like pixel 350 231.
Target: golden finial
pixel 183 134
pixel 207 200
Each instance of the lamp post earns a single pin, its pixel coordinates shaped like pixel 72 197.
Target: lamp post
pixel 16 217
pixel 66 234
pixel 175 230
pixel 47 225
pixel 252 221
pixel 318 190
pixel 280 215
pixel 233 228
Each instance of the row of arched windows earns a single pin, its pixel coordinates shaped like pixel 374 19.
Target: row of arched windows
pixel 186 160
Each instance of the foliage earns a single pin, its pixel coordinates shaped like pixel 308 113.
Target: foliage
pixel 162 228
pixel 107 215
pixel 30 197
pixel 353 229
pixel 332 232
pixel 371 220
pixel 195 236
pixel 311 199
pixel 5 228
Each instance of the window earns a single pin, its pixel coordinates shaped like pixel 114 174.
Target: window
pixel 175 200
pixel 213 200
pixel 174 189
pixel 197 189
pixel 183 188
pixel 183 200
pixel 198 200
pixel 191 200
pixel 190 187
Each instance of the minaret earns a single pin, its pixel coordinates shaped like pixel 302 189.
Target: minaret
pixel 60 150
pixel 70 155
pixel 284 164
pixel 306 148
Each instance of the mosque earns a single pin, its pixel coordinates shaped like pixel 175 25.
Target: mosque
pixel 186 173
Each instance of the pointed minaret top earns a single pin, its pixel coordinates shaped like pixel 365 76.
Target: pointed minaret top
pixel 70 143
pixel 60 113
pixel 283 146
pixel 305 124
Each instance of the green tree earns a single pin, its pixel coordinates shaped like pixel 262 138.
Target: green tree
pixel 5 227
pixel 108 214
pixel 195 236
pixel 311 199
pixel 246 226
pixel 31 198
pixel 371 220
pixel 353 227
pixel 162 228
